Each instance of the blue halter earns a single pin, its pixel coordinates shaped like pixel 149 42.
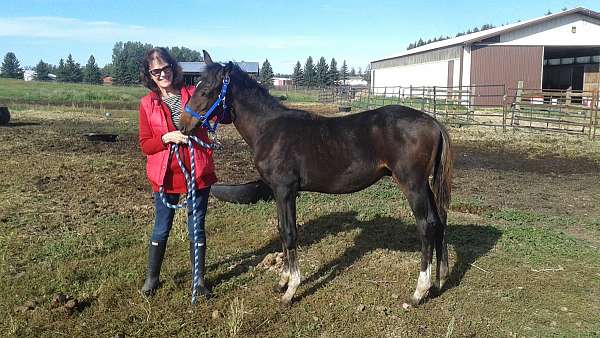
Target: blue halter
pixel 205 119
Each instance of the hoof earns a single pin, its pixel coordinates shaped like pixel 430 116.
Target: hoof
pixel 150 287
pixel 204 292
pixel 279 289
pixel 406 306
pixel 285 305
pixel 285 302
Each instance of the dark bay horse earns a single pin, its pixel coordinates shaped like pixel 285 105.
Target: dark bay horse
pixel 294 150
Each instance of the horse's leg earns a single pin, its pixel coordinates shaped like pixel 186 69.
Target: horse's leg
pixel 285 273
pixel 286 214
pixel 421 201
pixel 441 254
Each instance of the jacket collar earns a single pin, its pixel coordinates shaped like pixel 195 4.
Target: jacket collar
pixel 185 92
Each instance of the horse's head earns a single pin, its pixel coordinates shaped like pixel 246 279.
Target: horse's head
pixel 208 91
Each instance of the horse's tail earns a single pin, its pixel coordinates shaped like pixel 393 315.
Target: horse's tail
pixel 442 176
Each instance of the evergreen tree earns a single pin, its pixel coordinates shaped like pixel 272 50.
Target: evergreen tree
pixel 344 72
pixel 10 67
pixel 41 71
pixel 321 72
pixel 310 74
pixel 334 74
pixel 298 75
pixel 127 58
pixel 352 72
pixel 266 74
pixel 91 72
pixel 73 71
pixel 61 72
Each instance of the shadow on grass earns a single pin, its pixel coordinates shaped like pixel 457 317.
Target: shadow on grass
pixel 19 124
pixel 468 241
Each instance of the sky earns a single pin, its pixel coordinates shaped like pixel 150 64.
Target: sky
pixel 283 32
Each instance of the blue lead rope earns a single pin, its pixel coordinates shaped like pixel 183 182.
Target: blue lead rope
pixel 190 179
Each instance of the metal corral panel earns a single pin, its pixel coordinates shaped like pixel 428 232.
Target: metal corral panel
pixel 425 57
pixel 505 65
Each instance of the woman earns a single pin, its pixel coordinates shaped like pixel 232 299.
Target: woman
pixel 158 131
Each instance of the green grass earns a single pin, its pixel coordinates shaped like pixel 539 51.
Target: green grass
pixel 295 96
pixel 18 92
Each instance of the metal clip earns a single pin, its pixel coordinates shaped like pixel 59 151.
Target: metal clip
pixel 215 144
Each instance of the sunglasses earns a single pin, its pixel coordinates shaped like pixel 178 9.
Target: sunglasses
pixel 156 72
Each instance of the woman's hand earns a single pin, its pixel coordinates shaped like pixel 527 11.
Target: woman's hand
pixel 176 137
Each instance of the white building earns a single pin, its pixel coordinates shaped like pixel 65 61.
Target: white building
pixel 555 51
pixel 29 75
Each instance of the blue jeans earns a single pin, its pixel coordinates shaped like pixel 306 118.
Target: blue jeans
pixel 164 216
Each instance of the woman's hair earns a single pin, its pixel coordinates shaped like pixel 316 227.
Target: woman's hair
pixel 162 54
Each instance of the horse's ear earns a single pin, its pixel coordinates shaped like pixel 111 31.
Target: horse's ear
pixel 207 60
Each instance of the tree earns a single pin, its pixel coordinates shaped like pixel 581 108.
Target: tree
pixel 334 75
pixel 127 58
pixel 266 74
pixel 298 75
pixel 72 70
pixel 184 54
pixel 61 73
pixel 108 70
pixel 10 67
pixel 352 72
pixel 321 72
pixel 91 72
pixel 309 73
pixel 344 72
pixel 367 74
pixel 41 71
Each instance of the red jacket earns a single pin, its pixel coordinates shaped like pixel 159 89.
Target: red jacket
pixel 155 121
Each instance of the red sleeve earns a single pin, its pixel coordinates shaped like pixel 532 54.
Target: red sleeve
pixel 150 143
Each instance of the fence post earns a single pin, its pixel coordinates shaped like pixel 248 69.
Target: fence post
pixel 410 94
pixel 518 97
pixel 504 108
pixel 434 102
pixel 384 96
pixel 423 99
pixel 568 96
pixel 594 113
pixel 369 99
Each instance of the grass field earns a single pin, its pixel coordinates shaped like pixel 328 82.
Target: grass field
pixel 75 217
pixel 37 93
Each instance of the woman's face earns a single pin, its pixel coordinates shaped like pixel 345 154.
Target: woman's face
pixel 161 72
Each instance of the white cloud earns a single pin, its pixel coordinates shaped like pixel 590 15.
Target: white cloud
pixel 70 29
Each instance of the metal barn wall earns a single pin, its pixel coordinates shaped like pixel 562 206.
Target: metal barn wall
pixel 416 75
pixel 505 65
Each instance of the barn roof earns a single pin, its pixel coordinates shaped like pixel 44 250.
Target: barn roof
pixel 482 35
pixel 199 67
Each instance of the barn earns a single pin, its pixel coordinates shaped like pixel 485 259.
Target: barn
pixel 556 51
pixel 192 70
